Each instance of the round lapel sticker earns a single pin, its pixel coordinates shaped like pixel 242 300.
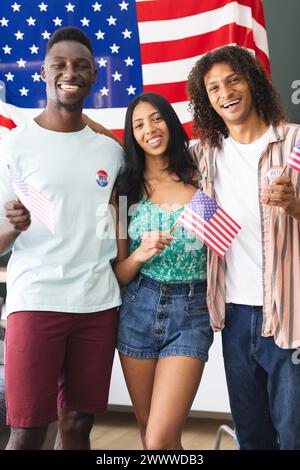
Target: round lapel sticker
pixel 102 178
pixel 273 173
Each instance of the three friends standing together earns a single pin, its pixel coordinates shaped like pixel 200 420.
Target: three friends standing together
pixel 62 291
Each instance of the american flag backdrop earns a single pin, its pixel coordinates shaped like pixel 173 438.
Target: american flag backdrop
pixel 209 222
pixel 139 46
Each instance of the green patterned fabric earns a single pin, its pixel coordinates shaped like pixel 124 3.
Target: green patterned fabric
pixel 183 261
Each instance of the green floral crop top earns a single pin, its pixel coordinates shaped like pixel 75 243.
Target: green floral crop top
pixel 183 261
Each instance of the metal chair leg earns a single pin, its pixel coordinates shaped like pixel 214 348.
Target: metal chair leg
pixel 224 429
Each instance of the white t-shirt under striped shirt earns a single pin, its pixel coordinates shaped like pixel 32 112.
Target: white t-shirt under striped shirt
pixel 236 187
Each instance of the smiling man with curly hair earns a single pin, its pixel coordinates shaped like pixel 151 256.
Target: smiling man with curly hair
pixel 254 292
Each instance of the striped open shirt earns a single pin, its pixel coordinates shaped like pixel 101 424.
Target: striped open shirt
pixel 280 245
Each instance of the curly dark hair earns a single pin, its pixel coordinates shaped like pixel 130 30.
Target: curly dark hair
pixel 179 162
pixel 207 124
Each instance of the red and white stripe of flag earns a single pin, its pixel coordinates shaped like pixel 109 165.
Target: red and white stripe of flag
pixel 217 233
pixel 294 159
pixel 35 202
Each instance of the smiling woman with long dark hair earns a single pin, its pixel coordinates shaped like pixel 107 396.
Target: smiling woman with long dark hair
pixel 164 332
pixel 177 159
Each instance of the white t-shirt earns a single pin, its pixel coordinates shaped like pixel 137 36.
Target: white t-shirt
pixel 236 187
pixel 71 270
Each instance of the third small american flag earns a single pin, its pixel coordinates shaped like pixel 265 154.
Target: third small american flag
pixel 294 159
pixel 209 222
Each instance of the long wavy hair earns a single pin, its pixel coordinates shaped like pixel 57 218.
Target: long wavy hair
pixel 207 124
pixel 131 181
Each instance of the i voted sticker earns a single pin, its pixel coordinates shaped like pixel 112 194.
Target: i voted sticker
pixel 273 173
pixel 102 178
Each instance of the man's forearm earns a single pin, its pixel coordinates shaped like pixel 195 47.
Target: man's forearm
pixel 8 235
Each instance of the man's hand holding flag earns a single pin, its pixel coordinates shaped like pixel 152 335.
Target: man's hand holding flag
pixel 281 193
pixel 35 202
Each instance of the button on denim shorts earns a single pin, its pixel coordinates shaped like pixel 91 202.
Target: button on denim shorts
pixel 158 320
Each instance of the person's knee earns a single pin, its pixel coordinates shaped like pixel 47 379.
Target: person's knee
pixel 161 441
pixel 76 423
pixel 142 422
pixel 153 443
pixel 142 428
pixel 26 438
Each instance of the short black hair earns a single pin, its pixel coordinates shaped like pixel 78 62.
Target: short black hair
pixel 70 34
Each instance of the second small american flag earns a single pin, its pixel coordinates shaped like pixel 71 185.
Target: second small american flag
pixel 209 222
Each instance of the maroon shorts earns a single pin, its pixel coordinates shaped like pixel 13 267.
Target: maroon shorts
pixel 57 360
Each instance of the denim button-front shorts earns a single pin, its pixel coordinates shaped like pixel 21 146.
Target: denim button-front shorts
pixel 158 320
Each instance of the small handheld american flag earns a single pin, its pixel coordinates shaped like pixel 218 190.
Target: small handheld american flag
pixel 294 159
pixel 35 202
pixel 209 222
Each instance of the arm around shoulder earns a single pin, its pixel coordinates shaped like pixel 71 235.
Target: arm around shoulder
pixel 97 127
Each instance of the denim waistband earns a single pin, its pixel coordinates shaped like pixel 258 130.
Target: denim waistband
pixel 175 288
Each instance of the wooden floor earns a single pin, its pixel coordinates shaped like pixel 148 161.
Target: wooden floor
pixel 118 430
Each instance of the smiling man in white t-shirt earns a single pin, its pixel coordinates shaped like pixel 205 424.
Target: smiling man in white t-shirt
pixel 62 294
